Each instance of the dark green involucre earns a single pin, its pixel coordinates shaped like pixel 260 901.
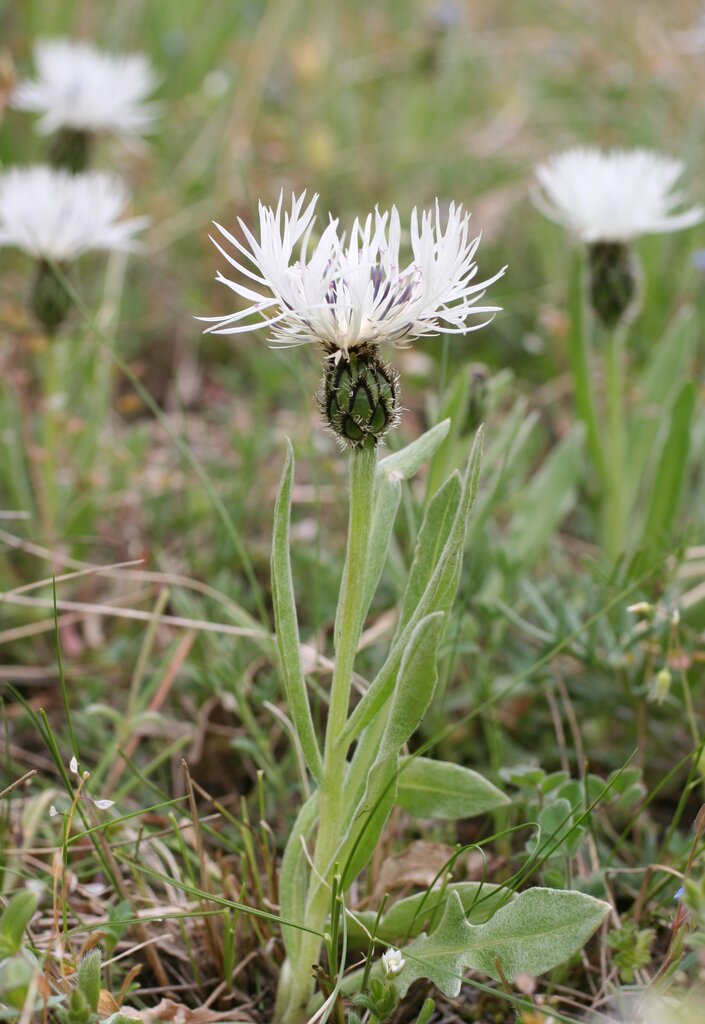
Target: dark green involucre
pixel 614 282
pixel 359 397
pixel 50 300
pixel 71 149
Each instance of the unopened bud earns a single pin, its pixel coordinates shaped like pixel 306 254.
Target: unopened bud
pixel 614 282
pixel 661 686
pixel 358 397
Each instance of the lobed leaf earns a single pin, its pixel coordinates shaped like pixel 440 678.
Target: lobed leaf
pixel 538 930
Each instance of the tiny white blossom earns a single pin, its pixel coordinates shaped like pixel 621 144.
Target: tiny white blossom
pixel 348 293
pixel 613 196
pixel 52 811
pixel 84 89
pixel 54 215
pixel 73 766
pixel 640 608
pixel 103 805
pixel 392 962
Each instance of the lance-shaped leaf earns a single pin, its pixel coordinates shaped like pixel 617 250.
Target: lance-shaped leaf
pixel 432 538
pixel 294 872
pixel 391 471
pixel 286 622
pixel 439 589
pixel 439 789
pixel 538 930
pixel 406 463
pixel 418 675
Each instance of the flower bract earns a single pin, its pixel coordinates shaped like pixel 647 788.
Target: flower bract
pixel 348 292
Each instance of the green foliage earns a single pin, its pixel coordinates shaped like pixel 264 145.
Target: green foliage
pixel 14 921
pixel 409 916
pixel 381 999
pixel 439 789
pixel 537 930
pixel 632 949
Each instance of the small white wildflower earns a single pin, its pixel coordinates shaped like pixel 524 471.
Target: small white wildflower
pixel 640 608
pixel 351 293
pixel 73 765
pixel 613 196
pixel 84 89
pixel 392 962
pixel 54 215
pixel 675 617
pixel 103 805
pixel 52 811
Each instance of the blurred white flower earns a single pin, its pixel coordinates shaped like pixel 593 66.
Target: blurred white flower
pixel 346 294
pixel 613 196
pixel 392 962
pixel 84 89
pixel 54 215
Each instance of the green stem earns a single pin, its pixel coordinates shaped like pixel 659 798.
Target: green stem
pixel 332 812
pixel 52 373
pixel 580 354
pixel 614 389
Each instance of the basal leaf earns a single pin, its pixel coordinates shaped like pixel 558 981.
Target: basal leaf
pixel 406 918
pixel 439 789
pixel 538 930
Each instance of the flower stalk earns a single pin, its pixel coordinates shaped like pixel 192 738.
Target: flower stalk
pixel 332 819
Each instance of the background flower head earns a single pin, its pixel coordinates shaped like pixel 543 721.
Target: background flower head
pixel 54 215
pixel 348 292
pixel 84 89
pixel 613 196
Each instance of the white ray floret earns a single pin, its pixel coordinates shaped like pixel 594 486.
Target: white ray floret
pixel 348 293
pixel 82 88
pixel 54 215
pixel 613 196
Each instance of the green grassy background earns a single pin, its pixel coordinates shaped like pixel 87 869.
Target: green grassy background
pixel 366 104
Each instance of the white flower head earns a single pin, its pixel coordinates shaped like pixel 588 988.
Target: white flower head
pixel 54 215
pixel 84 89
pixel 613 196
pixel 351 293
pixel 392 962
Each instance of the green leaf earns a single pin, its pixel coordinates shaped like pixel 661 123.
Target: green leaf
pixel 657 388
pixel 389 475
pixel 294 874
pixel 15 918
pixel 405 463
pixel 439 789
pixel 406 918
pixel 418 676
pixel 387 498
pixel 538 930
pixel 547 498
pixel 432 538
pixel 88 978
pixel 286 623
pixel 670 473
pixel 435 596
